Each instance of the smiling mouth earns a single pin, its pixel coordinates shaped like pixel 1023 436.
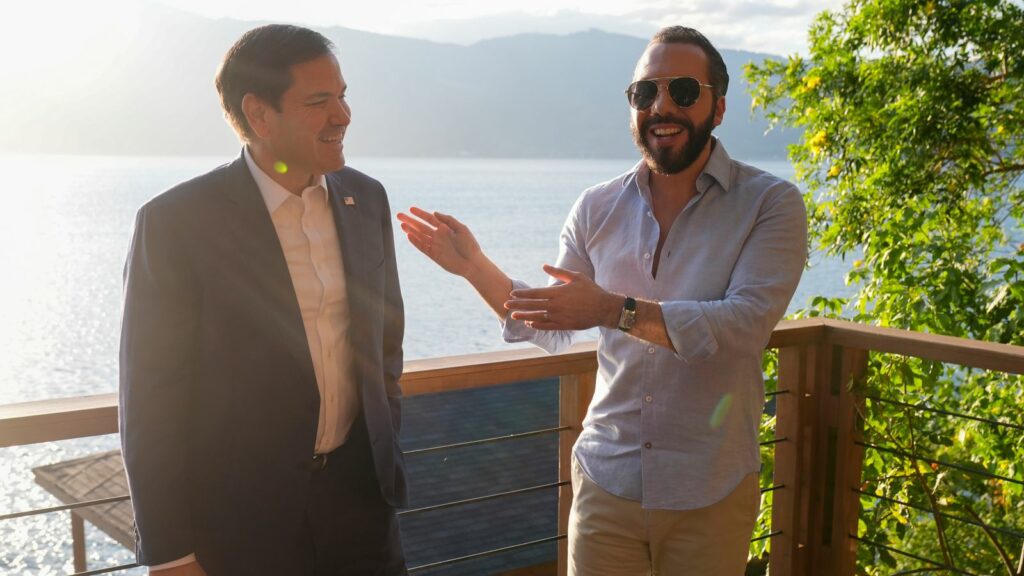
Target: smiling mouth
pixel 666 130
pixel 331 139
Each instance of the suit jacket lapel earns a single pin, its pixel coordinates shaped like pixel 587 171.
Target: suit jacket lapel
pixel 352 234
pixel 260 248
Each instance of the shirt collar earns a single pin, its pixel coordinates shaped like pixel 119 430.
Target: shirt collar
pixel 273 193
pixel 717 169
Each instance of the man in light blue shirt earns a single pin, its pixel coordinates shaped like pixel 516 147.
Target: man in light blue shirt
pixel 685 264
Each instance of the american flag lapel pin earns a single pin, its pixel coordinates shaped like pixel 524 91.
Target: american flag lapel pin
pixel 350 201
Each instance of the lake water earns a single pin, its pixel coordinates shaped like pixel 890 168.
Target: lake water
pixel 63 240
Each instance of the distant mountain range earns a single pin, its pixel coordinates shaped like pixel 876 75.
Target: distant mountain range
pixel 533 95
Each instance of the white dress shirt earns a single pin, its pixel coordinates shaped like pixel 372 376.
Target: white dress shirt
pixel 309 239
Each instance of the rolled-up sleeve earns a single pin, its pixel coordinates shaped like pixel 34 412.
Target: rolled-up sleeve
pixel 763 281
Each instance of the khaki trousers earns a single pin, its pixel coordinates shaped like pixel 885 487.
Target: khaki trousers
pixel 613 536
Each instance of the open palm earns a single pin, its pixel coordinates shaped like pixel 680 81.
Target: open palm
pixel 442 238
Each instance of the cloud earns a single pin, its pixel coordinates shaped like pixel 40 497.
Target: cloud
pixel 776 27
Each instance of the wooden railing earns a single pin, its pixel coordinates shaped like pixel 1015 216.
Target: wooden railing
pixel 817 467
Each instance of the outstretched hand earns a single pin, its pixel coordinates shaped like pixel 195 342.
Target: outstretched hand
pixel 576 304
pixel 443 239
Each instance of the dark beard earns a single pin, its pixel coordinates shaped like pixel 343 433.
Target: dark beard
pixel 666 160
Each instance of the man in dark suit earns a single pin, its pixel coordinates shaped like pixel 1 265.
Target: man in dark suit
pixel 261 341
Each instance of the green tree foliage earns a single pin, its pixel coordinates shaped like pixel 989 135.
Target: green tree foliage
pixel 912 154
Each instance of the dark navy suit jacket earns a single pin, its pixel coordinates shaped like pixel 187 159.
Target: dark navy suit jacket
pixel 218 398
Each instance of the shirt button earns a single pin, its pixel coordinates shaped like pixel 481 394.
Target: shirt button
pixel 648 398
pixel 647 256
pixel 647 445
pixel 650 350
pixel 649 215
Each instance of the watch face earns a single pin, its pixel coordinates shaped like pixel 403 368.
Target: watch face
pixel 628 316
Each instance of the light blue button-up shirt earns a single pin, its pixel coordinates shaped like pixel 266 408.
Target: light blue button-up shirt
pixel 679 430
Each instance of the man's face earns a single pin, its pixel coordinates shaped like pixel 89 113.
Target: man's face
pixel 672 138
pixel 307 134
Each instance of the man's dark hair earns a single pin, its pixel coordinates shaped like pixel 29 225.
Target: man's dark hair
pixel 717 71
pixel 260 64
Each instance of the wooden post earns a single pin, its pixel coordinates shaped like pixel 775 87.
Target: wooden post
pixel 834 505
pixel 849 460
pixel 575 392
pixel 78 542
pixel 793 458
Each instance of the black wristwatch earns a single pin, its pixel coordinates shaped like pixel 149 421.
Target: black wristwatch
pixel 627 318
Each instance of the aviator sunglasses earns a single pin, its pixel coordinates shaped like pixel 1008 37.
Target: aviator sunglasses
pixel 684 90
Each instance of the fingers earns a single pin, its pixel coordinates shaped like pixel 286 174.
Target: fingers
pixel 523 304
pixel 419 233
pixel 435 219
pixel 542 325
pixel 535 315
pixel 450 221
pixel 427 217
pixel 546 293
pixel 420 241
pixel 560 273
pixel 409 222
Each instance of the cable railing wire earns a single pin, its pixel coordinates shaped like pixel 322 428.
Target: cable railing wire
pixel 924 408
pixel 451 561
pixel 486 440
pixel 969 469
pixel 113 499
pixel 83 504
pixel 106 570
pixel 766 536
pixel 482 498
pixel 914 556
pixel 970 521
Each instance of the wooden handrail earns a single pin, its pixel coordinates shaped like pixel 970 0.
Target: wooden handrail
pixel 949 349
pixel 58 419
pixel 450 373
pixel 65 418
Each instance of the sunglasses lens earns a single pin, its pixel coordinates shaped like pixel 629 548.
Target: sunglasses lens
pixel 641 94
pixel 684 91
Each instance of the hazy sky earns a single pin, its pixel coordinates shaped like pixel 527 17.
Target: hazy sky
pixel 772 26
pixel 776 26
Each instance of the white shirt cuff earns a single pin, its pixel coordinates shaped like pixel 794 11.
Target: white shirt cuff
pixel 174 563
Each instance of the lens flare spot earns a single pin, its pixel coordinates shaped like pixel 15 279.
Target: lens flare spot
pixel 280 167
pixel 721 411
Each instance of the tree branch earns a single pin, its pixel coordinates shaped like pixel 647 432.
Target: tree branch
pixel 940 525
pixel 1007 563
pixel 1002 169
